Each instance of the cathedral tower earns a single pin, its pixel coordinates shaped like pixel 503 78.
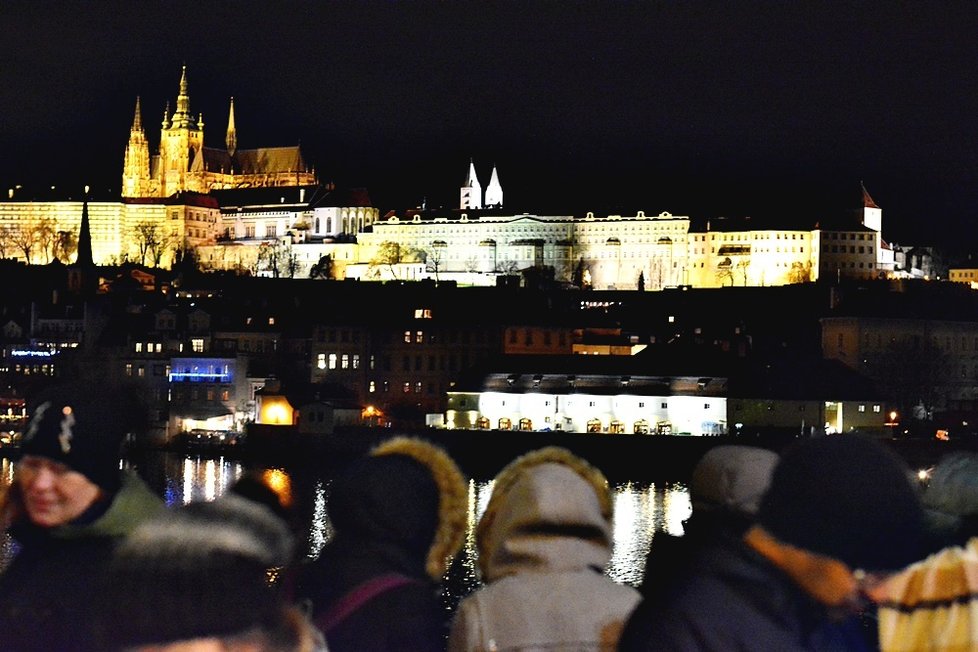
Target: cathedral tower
pixel 494 191
pixel 135 172
pixel 180 143
pixel 471 194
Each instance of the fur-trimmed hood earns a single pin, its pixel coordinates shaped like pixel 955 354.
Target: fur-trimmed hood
pixel 549 510
pixel 452 498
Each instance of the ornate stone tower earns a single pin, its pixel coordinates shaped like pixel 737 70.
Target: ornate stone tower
pixel 232 136
pixel 471 194
pixel 494 191
pixel 135 171
pixel 181 142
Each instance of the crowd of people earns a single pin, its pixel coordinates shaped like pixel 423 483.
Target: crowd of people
pixel 830 545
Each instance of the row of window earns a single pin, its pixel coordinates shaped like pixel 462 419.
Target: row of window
pixel 196 345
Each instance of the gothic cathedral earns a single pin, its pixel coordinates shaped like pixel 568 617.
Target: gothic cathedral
pixel 184 163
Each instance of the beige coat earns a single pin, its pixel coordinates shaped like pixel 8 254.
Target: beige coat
pixel 544 542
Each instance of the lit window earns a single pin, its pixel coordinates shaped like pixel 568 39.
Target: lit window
pixel 141 371
pixel 876 408
pixel 345 361
pixel 419 337
pixel 271 321
pixel 417 387
pixel 862 408
pixel 372 387
pixel 225 395
pixel 139 347
pixel 159 347
pixel 356 361
pixel 197 345
pixel 407 336
pixel 128 368
pixel 321 360
pixel 407 387
pixel 332 361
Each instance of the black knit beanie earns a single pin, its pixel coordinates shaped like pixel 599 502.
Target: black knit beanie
pixel 849 498
pixel 198 571
pixel 82 426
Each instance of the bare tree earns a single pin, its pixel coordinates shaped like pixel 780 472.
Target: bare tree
pixel 32 237
pixel 389 254
pixel 323 268
pixel 435 257
pixel 64 246
pixel 152 241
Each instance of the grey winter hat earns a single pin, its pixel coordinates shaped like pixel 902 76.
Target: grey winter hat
pixel 732 479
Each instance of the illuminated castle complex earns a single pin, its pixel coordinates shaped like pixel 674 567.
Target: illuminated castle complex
pixel 184 163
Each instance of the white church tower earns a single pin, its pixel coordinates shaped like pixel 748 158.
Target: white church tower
pixel 872 214
pixel 471 195
pixel 494 191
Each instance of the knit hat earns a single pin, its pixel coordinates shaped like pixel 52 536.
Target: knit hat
pixel 82 427
pixel 846 497
pixel 198 571
pixel 732 479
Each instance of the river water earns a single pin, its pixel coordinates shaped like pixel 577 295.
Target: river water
pixel 642 509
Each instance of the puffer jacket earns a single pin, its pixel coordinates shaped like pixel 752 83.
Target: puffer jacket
pixel 400 516
pixel 544 542
pixel 49 591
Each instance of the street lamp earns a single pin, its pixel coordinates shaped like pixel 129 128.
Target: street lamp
pixel 892 423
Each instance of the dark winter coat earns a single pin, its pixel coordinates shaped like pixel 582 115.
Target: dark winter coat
pixel 49 592
pixel 734 599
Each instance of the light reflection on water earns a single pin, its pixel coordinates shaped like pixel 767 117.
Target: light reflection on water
pixel 641 510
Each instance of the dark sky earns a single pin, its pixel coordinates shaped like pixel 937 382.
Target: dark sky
pixel 698 108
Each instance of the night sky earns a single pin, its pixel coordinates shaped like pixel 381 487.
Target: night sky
pixel 698 108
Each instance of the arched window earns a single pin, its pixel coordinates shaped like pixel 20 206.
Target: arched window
pixel 482 423
pixel 594 425
pixel 641 427
pixel 505 424
pixel 526 424
pixel 616 427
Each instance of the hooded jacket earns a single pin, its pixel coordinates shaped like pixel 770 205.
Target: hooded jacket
pixel 544 542
pixel 398 513
pixel 48 591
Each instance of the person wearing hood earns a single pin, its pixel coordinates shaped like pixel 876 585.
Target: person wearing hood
pixel 399 516
pixel 67 509
pixel 544 542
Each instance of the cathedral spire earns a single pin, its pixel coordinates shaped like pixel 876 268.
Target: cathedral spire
pixel 182 117
pixel 137 120
pixel 232 136
pixel 166 116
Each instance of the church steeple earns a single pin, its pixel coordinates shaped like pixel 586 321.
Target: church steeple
pixel 166 115
pixel 872 213
pixel 232 135
pixel 84 257
pixel 494 191
pixel 471 193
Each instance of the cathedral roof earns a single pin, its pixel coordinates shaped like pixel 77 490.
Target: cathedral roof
pixel 265 160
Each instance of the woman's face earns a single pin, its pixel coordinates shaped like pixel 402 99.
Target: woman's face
pixel 53 494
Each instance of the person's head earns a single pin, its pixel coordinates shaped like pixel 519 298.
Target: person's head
pixel 728 484
pixel 951 499
pixel 840 511
pixel 408 496
pixel 69 457
pixel 548 508
pixel 197 578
